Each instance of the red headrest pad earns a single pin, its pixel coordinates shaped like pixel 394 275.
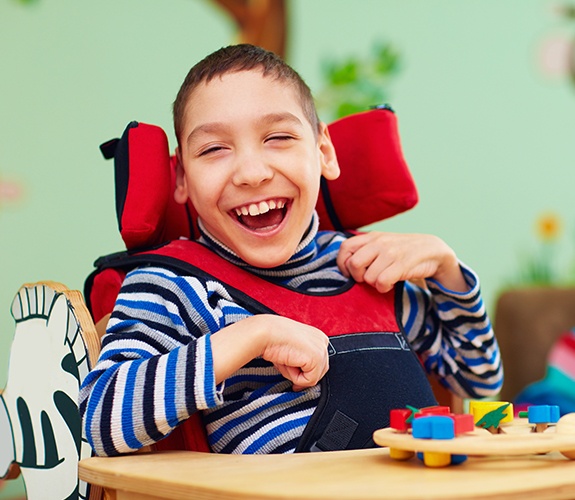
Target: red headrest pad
pixel 145 179
pixel 375 182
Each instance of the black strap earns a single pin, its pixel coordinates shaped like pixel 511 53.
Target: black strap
pixel 330 209
pixel 337 434
pixel 108 149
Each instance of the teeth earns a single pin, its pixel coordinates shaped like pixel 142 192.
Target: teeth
pixel 262 207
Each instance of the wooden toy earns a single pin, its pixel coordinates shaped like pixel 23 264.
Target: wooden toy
pixel 431 426
pixel 40 431
pixel 542 416
pixel 434 422
pixel 431 410
pixel 430 435
pixel 400 419
pixel 491 414
pixel 566 426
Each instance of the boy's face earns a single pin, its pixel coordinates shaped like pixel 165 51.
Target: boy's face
pixel 252 165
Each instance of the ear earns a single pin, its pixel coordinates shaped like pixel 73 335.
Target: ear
pixel 181 191
pixel 328 157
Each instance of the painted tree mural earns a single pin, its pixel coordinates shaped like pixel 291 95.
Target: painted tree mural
pixel 259 22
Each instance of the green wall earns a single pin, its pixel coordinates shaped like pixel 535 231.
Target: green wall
pixel 488 135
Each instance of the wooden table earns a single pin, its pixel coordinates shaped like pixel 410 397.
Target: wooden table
pixel 345 475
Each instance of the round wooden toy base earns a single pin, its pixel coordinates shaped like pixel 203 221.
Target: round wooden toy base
pixel 518 439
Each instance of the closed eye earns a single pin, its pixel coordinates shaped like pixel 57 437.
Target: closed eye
pixel 210 150
pixel 280 138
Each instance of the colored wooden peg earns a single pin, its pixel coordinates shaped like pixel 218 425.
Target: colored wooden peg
pixel 414 411
pixel 399 454
pixel 542 416
pixel 435 422
pixel 491 414
pixel 463 423
pixel 458 459
pixel 538 414
pixel 436 459
pixel 400 419
pixel 433 410
pixel 433 427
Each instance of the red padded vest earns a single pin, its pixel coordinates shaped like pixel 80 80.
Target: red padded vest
pixel 372 367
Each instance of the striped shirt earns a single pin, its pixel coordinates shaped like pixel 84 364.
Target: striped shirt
pixel 155 368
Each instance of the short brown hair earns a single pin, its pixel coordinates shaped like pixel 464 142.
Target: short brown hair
pixel 242 57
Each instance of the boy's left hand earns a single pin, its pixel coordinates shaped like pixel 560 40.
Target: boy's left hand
pixel 383 259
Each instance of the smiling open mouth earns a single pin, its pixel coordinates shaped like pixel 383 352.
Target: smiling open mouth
pixel 262 215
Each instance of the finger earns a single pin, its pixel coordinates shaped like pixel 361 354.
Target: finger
pixel 347 249
pixel 287 371
pixel 358 263
pixel 303 379
pixel 342 256
pixel 380 274
pixel 300 380
pixel 311 372
pixel 384 280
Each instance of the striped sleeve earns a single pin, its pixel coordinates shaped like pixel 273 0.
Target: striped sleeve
pixel 453 336
pixel 156 355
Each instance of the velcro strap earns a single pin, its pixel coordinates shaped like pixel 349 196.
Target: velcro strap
pixel 337 434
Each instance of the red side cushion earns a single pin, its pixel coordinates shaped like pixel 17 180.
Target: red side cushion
pixel 102 290
pixel 375 182
pixel 142 184
pixel 145 180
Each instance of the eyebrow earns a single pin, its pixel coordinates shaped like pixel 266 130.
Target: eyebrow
pixel 272 118
pixel 268 119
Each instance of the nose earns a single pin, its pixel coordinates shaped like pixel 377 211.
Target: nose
pixel 251 170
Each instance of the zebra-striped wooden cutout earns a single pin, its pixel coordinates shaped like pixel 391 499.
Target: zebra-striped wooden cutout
pixel 40 429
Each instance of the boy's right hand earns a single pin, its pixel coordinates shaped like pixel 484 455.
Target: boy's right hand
pixel 297 350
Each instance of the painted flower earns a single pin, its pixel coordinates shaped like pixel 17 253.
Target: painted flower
pixel 548 227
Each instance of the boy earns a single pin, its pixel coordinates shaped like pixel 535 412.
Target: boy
pixel 251 152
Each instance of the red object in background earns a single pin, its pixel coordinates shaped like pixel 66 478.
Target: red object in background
pixel 10 191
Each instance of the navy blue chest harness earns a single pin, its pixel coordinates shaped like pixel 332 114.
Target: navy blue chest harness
pixel 372 366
